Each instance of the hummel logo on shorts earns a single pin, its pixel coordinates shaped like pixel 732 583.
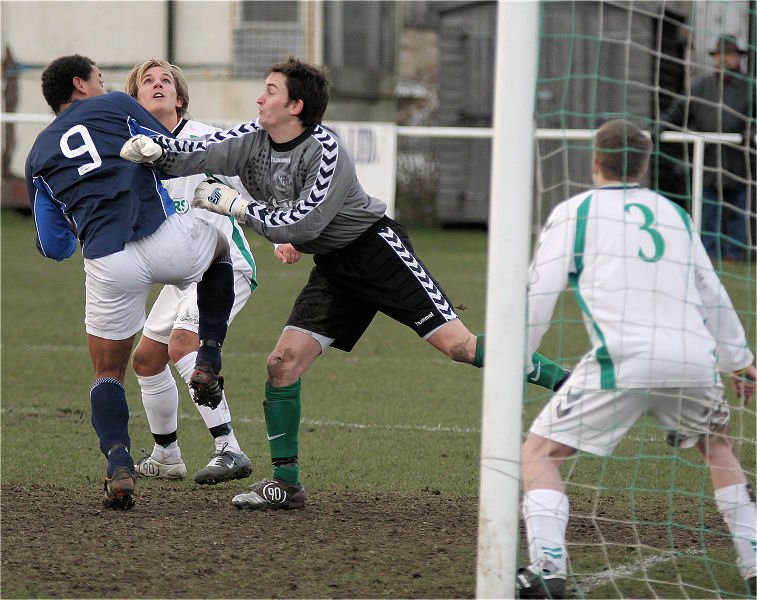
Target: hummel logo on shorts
pixel 566 406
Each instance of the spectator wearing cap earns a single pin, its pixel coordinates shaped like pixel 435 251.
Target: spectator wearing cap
pixel 722 102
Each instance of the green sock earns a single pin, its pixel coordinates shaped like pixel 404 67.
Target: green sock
pixel 546 373
pixel 290 474
pixel 282 420
pixel 478 361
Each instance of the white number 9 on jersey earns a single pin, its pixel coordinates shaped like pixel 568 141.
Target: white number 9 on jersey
pixel 88 147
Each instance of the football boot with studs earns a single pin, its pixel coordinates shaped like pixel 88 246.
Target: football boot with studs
pixel 224 465
pixel 271 493
pixel 119 490
pixel 537 583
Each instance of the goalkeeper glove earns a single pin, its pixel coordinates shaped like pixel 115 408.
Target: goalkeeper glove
pixel 219 198
pixel 141 149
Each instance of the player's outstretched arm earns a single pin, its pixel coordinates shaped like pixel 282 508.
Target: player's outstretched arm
pixel 141 149
pixel 56 235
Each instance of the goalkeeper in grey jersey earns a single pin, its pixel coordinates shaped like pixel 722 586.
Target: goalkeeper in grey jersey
pixel 306 193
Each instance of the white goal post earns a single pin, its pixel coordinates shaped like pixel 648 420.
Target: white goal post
pixel 508 250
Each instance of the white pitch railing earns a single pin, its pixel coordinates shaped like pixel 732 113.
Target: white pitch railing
pixel 697 139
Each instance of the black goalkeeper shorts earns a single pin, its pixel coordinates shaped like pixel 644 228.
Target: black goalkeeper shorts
pixel 379 271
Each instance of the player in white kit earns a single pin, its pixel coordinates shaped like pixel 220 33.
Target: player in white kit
pixel 662 327
pixel 170 331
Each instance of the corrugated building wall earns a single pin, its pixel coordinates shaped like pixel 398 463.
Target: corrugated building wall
pixel 595 63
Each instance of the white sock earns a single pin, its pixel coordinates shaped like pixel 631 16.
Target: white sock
pixel 185 365
pixel 545 513
pixel 228 440
pixel 213 417
pixel 740 514
pixel 167 454
pixel 160 397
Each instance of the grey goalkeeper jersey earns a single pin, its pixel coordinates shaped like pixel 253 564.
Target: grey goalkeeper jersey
pixel 305 191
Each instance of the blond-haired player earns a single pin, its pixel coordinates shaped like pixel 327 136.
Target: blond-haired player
pixel 170 332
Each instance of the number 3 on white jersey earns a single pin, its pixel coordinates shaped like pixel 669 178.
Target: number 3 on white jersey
pixel 88 147
pixel 657 239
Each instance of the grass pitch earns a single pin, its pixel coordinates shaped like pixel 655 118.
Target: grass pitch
pixel 393 424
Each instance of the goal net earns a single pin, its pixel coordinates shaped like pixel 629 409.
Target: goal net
pixel 644 521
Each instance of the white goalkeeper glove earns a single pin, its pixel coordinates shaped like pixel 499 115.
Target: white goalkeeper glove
pixel 219 198
pixel 141 149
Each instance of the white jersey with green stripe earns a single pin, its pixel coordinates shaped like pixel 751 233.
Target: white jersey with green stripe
pixel 654 308
pixel 181 190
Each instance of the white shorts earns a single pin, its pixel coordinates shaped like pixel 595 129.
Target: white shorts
pixel 117 285
pixel 177 309
pixel 595 421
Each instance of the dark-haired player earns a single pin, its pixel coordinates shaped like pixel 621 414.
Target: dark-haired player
pixel 131 238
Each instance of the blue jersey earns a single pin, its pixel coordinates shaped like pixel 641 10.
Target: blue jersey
pixel 76 179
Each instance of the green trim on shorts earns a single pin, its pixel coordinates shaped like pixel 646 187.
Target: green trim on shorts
pixel 238 240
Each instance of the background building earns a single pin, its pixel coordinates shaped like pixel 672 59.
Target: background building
pixel 669 43
pixel 222 46
pixel 409 63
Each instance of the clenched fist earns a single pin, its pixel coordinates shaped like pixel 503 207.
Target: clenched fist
pixel 141 149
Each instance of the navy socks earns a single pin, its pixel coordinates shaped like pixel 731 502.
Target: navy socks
pixel 215 298
pixel 110 418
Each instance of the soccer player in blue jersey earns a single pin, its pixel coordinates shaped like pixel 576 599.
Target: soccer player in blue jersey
pixel 131 238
